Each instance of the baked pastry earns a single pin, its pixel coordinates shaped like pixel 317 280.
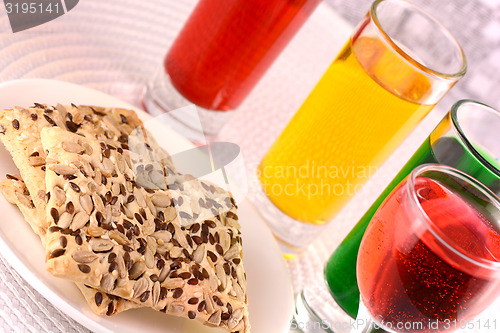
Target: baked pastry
pixel 15 191
pixel 119 218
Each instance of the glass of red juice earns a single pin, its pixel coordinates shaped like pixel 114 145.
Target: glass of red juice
pixel 221 53
pixel 466 139
pixel 430 258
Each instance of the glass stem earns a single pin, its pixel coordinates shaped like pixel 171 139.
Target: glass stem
pixel 365 322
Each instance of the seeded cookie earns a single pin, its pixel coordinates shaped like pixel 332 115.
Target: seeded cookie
pixel 177 250
pixel 195 223
pixel 15 191
pixel 20 133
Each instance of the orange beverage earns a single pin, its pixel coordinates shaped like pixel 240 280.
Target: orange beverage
pixel 395 68
pixel 363 107
pixel 397 65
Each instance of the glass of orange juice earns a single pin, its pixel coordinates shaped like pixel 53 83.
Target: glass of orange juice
pixel 396 66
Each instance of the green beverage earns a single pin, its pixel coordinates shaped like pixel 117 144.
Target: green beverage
pixel 466 139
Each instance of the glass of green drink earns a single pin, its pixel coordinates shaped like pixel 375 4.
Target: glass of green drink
pixel 468 139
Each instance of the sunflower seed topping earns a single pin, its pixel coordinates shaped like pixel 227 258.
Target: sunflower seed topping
pixel 84 257
pixel 115 224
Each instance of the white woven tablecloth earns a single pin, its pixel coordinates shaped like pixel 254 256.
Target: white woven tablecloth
pixel 116 45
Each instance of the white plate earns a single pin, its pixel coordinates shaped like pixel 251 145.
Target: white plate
pixel 269 287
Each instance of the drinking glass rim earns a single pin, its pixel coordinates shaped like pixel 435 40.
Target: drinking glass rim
pixel 450 76
pixel 436 232
pixel 455 109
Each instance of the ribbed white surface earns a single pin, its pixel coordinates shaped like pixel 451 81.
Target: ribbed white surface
pixel 115 46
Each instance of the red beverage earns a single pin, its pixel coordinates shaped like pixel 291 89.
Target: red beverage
pixel 227 45
pixel 409 279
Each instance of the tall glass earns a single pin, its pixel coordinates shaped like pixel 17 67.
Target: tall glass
pixel 221 53
pixel 397 65
pixel 467 139
pixel 430 258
